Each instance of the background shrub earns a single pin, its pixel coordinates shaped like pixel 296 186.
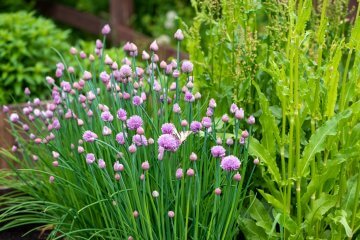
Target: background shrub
pixel 27 53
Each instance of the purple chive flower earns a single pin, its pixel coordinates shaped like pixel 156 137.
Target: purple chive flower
pixel 161 151
pixel 120 138
pixel 230 163
pixel 27 91
pixel 189 97
pixel 206 122
pixel 212 103
pixel 89 136
pixel 106 30
pixel 137 100
pixel 233 108
pixel 187 67
pixel 176 108
pixel 209 111
pixel 218 151
pixel 121 114
pixel 179 173
pixel 90 158
pixel 66 86
pixel 106 116
pixel 171 214
pixel 169 142
pixel 5 109
pixel 239 113
pixel 134 122
pixel 195 126
pixel 101 164
pixel 125 71
pixel 139 140
pixel 118 167
pixel 145 166
pixel 167 128
pixel 179 35
pixel 14 117
pixel 154 46
pixel 251 120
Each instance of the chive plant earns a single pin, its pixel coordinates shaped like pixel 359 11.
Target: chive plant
pixel 127 151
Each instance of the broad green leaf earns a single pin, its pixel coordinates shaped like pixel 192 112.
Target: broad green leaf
pixel 272 200
pixel 270 129
pixel 258 212
pixel 341 218
pixel 258 150
pixel 320 207
pixel 317 141
pixel 251 230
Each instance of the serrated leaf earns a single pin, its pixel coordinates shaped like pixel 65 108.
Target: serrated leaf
pixel 258 150
pixel 317 141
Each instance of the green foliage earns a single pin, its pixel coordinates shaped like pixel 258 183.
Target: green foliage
pixel 299 64
pixel 26 54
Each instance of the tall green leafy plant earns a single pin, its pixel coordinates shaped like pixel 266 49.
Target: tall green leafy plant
pixel 309 151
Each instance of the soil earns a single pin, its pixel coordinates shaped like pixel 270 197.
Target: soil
pixel 17 234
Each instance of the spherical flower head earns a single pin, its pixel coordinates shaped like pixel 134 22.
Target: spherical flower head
pixel 245 134
pixel 197 95
pixel 206 122
pixel 179 35
pixel 140 131
pixel 209 112
pixel 154 46
pixel 195 126
pixel 176 108
pixel 163 64
pixel 218 151
pixel 106 116
pixel 190 172
pixel 145 55
pixel 176 73
pixel 80 149
pixel 169 142
pixel 55 163
pixel 55 154
pixel 14 148
pixel 117 176
pixel 137 100
pixel 135 214
pixel 27 91
pixel 167 128
pixel 233 108
pixel 98 44
pixel 14 117
pixel 145 166
pixel 101 164
pixel 106 30
pixel 187 67
pixel 139 140
pixel 125 71
pixel 193 157
pixel 179 173
pixel 256 161
pixel 155 194
pixel 118 167
pixel 229 141
pixel 237 177
pixel 87 75
pixel 5 109
pixel 212 103
pixel 51 179
pixel 90 158
pixel 225 118
pixel 230 163
pixel 89 136
pixel 134 122
pixel 132 148
pixel 239 113
pixel 251 120
pixel 217 191
pixel 106 131
pixel 121 114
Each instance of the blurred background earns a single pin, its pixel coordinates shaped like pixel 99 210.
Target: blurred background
pixel 30 29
